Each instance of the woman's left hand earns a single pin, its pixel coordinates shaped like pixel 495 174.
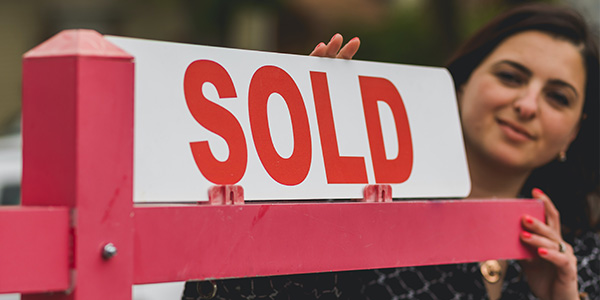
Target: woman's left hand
pixel 332 49
pixel 552 274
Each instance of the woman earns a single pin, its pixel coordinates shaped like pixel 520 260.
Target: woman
pixel 527 88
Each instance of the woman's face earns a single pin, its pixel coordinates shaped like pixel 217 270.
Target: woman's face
pixel 522 105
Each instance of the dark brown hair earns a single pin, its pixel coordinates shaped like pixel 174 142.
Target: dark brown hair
pixel 570 183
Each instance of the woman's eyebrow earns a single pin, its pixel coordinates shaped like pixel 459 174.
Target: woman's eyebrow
pixel 516 65
pixel 564 84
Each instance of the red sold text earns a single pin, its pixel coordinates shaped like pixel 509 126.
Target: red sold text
pixel 294 169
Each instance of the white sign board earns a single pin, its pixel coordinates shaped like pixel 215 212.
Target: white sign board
pixel 289 126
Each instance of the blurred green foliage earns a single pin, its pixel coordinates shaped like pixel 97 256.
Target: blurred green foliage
pixel 424 32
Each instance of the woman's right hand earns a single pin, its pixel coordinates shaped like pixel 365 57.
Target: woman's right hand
pixel 332 49
pixel 553 273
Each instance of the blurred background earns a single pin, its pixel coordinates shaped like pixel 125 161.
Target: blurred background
pixel 423 32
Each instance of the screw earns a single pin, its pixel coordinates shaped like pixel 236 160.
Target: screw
pixel 109 251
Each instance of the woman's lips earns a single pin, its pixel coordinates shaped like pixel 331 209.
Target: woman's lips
pixel 515 131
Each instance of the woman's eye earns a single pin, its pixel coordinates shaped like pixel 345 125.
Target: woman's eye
pixel 559 98
pixel 509 78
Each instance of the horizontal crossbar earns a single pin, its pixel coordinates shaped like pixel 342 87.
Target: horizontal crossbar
pixel 224 241
pixel 34 249
pixel 173 243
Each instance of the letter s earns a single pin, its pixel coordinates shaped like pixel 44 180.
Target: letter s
pixel 217 120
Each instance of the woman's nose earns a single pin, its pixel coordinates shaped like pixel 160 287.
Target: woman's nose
pixel 527 103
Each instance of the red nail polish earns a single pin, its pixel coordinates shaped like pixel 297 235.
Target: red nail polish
pixel 542 251
pixel 536 191
pixel 529 220
pixel 526 234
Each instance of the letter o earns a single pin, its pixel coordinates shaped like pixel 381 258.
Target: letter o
pixel 266 81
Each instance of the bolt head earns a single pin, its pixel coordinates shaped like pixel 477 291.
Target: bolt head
pixel 109 251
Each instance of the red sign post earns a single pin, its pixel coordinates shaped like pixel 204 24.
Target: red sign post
pixel 79 235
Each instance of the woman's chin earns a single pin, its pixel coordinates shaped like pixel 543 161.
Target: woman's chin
pixel 508 159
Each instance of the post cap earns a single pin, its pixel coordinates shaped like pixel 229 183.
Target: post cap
pixel 77 42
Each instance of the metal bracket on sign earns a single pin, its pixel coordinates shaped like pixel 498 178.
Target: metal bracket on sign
pixel 377 193
pixel 226 195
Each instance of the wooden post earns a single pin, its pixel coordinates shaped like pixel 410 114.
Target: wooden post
pixel 78 153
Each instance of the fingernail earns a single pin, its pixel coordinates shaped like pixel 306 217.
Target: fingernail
pixel 529 220
pixel 334 36
pixel 321 44
pixel 542 251
pixel 536 192
pixel 526 234
pixel 354 39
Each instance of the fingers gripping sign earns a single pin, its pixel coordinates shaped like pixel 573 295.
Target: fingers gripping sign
pixel 332 49
pixel 553 273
